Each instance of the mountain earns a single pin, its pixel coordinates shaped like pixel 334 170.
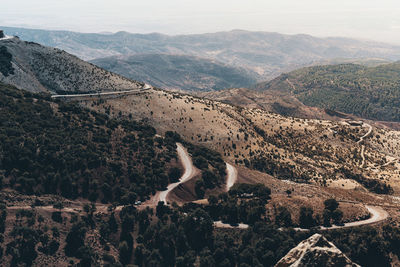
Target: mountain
pixel 37 68
pixel 179 72
pixel 368 92
pixel 315 251
pixel 267 54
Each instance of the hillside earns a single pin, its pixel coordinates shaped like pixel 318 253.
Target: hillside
pixel 50 147
pixel 178 72
pixel 302 150
pixel 369 92
pixel 276 102
pixel 72 172
pixel 267 54
pixel 37 68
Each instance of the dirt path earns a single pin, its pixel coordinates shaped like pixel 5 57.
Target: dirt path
pixel 291 85
pixel 362 146
pixel 187 175
pixel 231 178
pixel 362 156
pixel 367 134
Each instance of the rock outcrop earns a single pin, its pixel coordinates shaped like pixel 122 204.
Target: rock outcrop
pixel 1 34
pixel 315 251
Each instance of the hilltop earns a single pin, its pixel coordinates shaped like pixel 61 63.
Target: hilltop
pixel 368 92
pixel 178 72
pixel 38 68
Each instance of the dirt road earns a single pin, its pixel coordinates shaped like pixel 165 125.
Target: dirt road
pixel 187 175
pixel 367 134
pixel 231 176
pixel 362 146
pixel 377 215
pixel 126 92
pixel 220 224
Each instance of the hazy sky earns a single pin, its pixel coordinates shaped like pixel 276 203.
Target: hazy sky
pixel 369 19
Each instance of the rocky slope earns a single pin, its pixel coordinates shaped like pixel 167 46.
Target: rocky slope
pixel 316 251
pixel 178 72
pixel 268 54
pixel 37 68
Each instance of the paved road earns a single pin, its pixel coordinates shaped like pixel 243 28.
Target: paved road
pixel 126 92
pixel 231 176
pixel 6 37
pixel 187 175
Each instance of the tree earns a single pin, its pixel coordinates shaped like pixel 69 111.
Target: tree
pixel 198 227
pixel 173 174
pixel 75 239
pixel 283 218
pixel 331 204
pixel 337 216
pixel 125 253
pixel 198 188
pixel 327 215
pixel 306 217
pixel 56 216
pixel 288 192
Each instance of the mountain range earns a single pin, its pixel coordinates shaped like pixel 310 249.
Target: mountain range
pixel 264 53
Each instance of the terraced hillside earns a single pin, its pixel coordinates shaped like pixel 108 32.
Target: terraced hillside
pixel 266 53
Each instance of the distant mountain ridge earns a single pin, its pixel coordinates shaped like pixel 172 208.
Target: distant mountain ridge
pixel 179 72
pixel 267 54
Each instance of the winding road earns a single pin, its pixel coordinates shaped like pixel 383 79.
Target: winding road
pixel 126 92
pixel 377 215
pixel 231 176
pixel 367 134
pixel 189 173
pixel 363 146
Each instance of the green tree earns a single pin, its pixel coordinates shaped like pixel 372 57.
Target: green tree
pixel 306 217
